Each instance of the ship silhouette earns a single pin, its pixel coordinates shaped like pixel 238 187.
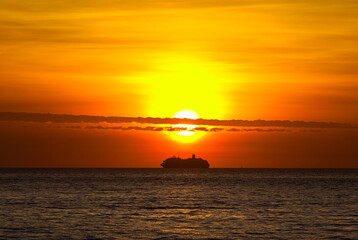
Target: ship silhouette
pixel 177 162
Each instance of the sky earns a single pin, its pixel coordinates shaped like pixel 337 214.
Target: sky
pixel 273 61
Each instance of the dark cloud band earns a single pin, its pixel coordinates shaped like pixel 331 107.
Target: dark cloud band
pixel 67 118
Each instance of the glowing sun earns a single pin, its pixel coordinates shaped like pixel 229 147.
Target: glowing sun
pixel 188 130
pixel 187 133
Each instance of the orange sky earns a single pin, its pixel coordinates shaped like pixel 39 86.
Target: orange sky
pixel 276 60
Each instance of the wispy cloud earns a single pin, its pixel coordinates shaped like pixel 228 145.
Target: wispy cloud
pixel 177 129
pixel 67 118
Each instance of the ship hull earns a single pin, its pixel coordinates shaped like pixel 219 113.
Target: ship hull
pixel 185 163
pixel 184 166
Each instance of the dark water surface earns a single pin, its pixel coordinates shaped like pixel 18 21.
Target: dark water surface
pixel 179 204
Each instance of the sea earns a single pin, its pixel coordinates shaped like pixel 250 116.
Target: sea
pixel 179 203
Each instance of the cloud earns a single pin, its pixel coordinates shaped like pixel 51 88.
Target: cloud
pixel 197 129
pixel 233 130
pixel 149 128
pixel 67 118
pixel 216 129
pixel 264 130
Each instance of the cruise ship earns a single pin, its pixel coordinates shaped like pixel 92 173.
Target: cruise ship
pixel 177 162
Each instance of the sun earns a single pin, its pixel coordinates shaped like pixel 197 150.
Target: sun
pixel 186 114
pixel 188 134
pixel 189 128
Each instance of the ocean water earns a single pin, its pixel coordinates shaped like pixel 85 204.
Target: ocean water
pixel 178 204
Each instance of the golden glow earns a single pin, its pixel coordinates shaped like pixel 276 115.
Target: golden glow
pixel 186 114
pixel 188 135
pixel 151 60
pixel 189 128
pixel 182 81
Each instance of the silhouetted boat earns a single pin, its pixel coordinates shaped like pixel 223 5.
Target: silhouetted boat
pixel 177 162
